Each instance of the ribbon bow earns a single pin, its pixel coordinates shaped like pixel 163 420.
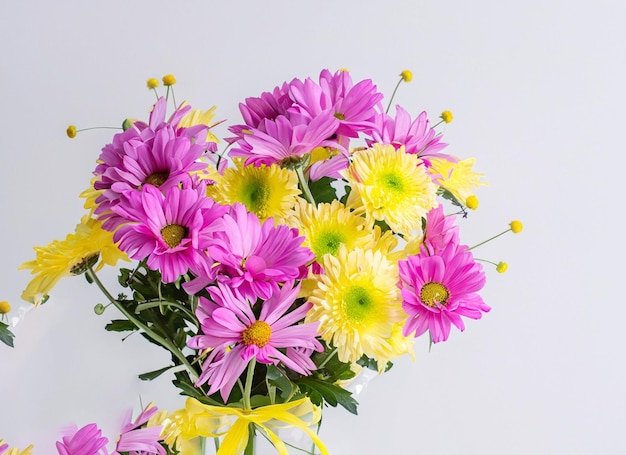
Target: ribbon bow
pixel 198 419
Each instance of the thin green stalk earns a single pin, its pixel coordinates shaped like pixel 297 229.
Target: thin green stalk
pixel 248 388
pixel 249 450
pixel 327 359
pixel 159 303
pixel 393 94
pixel 304 185
pixel 162 341
pixel 489 240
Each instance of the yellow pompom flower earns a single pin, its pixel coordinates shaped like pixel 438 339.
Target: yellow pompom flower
pixel 471 202
pixel 458 178
pixel 327 226
pixel 169 80
pixel 406 75
pixel 87 246
pixel 446 116
pixel 392 186
pixel 5 307
pixel 152 83
pixel 516 226
pixel 357 304
pixel 71 131
pixel 267 191
pixel 502 267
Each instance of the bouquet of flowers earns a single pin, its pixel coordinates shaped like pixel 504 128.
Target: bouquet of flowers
pixel 317 247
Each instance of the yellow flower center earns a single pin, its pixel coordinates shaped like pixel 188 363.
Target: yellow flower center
pixel 259 334
pixel 327 243
pixel 434 292
pixel 157 178
pixel 256 196
pixel 392 182
pixel 173 234
pixel 358 303
pixel 340 116
pixel 84 264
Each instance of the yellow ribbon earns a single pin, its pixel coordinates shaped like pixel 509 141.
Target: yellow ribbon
pixel 198 419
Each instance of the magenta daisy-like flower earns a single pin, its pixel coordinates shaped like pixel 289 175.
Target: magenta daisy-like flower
pixel 235 335
pixel 86 441
pixel 416 136
pixel 135 440
pixel 440 231
pixel 171 230
pixel 284 139
pixel 353 105
pixel 253 257
pixel 157 153
pixel 438 289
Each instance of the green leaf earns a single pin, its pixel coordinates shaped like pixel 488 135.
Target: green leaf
pixel 320 391
pixel 322 190
pixel 120 325
pixel 6 336
pixel 149 376
pixel 278 379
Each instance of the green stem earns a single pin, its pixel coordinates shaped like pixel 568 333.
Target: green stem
pixel 249 450
pixel 304 185
pixel 248 388
pixel 393 94
pixel 160 340
pixel 327 359
pixel 489 240
pixel 158 303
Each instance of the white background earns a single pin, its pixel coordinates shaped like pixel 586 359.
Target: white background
pixel 537 91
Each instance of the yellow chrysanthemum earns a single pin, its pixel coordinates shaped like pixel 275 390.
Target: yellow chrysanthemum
pixel 458 178
pixel 390 185
pixel 328 226
pixel 357 303
pixel 198 117
pixel 15 451
pixel 90 195
pixel 69 257
pixel 267 191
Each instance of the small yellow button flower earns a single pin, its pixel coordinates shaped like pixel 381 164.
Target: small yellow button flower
pixel 471 202
pixel 5 307
pixel 502 267
pixel 153 83
pixel 446 116
pixel 406 75
pixel 168 80
pixel 71 131
pixel 516 226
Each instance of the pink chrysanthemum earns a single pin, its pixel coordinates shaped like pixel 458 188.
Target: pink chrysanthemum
pixel 171 230
pixel 253 257
pixel 437 290
pixel 416 136
pixel 283 139
pixel 158 153
pixel 441 230
pixel 86 441
pixel 135 440
pixel 235 335
pixel 353 105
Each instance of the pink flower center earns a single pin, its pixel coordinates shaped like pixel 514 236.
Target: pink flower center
pixel 173 234
pixel 258 333
pixel 157 178
pixel 434 293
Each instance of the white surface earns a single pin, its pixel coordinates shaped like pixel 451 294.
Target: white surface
pixel 537 90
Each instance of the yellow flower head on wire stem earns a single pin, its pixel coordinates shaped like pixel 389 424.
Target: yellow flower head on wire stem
pixel 446 116
pixel 516 226
pixel 406 75
pixel 502 267
pixel 152 83
pixel 5 307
